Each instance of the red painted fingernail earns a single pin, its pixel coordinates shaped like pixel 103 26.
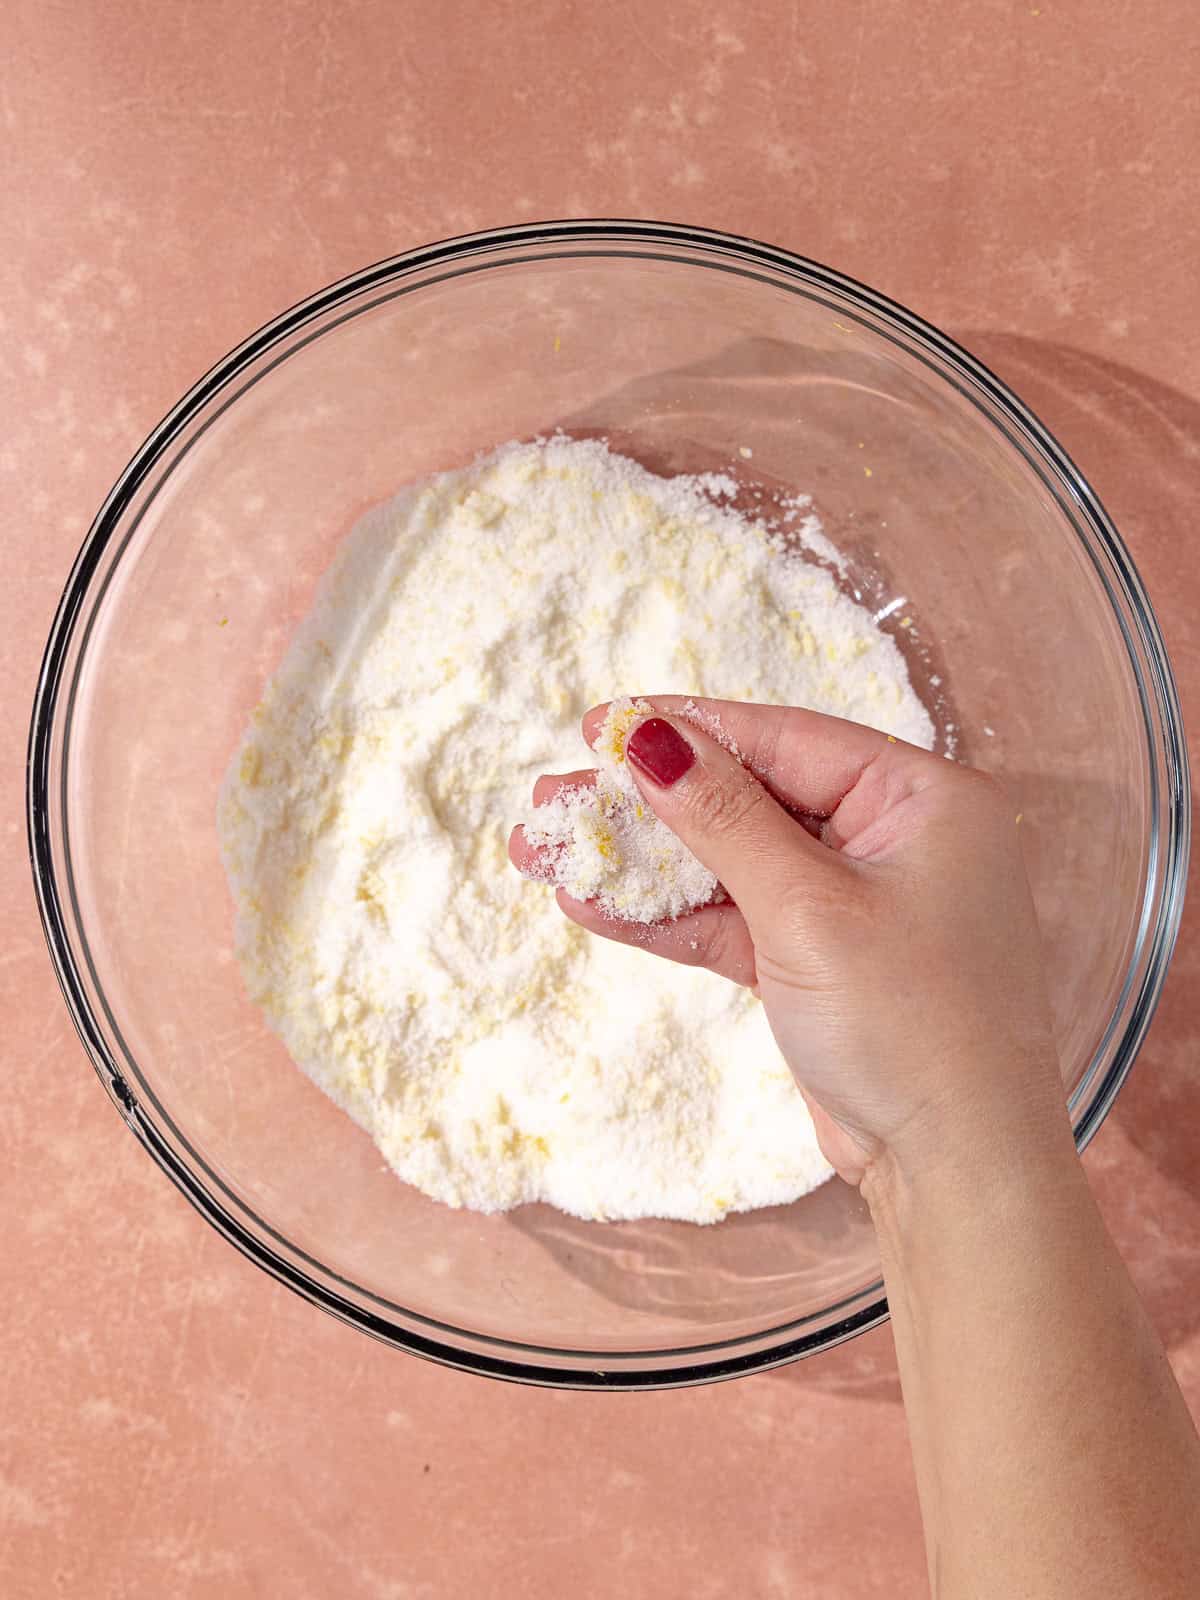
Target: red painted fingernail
pixel 657 750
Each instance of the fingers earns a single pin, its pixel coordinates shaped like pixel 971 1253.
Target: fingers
pixel 750 790
pixel 531 862
pixel 549 784
pixel 724 815
pixel 808 761
pixel 715 937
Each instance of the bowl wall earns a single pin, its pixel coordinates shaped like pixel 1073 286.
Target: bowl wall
pixel 1020 617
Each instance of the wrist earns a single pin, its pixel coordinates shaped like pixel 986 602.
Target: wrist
pixel 966 1152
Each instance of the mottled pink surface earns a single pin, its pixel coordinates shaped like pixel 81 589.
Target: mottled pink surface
pixel 171 1422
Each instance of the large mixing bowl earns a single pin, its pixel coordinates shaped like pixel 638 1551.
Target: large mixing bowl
pixel 1019 611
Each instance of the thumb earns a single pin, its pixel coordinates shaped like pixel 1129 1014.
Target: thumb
pixel 722 813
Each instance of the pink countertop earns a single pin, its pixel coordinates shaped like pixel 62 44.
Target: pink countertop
pixel 172 1423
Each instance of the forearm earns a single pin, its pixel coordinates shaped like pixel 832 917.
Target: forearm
pixel 1054 1454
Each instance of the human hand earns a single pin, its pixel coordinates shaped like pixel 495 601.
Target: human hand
pixel 879 905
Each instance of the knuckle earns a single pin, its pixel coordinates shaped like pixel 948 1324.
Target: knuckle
pixel 813 901
pixel 975 778
pixel 983 790
pixel 767 748
pixel 714 948
pixel 726 949
pixel 719 808
pixel 971 785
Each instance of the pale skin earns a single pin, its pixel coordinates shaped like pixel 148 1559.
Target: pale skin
pixel 879 904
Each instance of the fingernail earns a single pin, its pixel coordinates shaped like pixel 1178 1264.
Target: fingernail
pixel 656 749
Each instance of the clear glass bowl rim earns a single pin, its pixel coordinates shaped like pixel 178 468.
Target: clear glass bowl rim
pixel 1170 800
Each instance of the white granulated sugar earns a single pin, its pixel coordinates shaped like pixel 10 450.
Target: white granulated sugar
pixel 602 842
pixel 710 722
pixel 817 543
pixel 495 1052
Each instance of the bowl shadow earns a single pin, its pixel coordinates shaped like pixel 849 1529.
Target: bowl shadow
pixel 1139 441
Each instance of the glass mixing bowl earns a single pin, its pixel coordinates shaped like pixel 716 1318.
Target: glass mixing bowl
pixel 1017 606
